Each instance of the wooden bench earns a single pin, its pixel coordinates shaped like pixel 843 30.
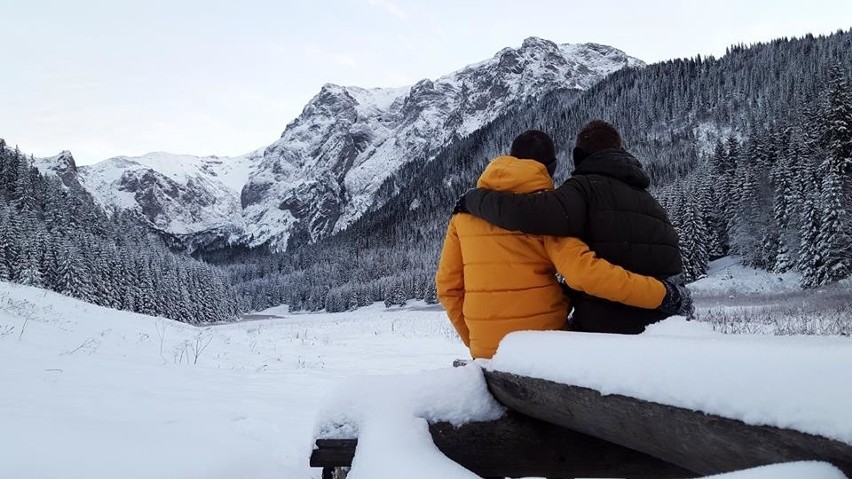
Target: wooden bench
pixel 554 430
pixel 518 446
pixel 703 443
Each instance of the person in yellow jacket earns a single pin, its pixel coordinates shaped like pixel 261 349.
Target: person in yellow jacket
pixel 493 281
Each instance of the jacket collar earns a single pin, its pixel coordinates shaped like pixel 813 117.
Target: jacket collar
pixel 615 163
pixel 507 173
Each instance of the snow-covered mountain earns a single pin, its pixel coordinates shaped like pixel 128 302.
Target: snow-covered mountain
pixel 190 197
pixel 62 165
pixel 327 168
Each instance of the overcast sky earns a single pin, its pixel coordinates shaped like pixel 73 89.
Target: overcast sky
pixel 116 77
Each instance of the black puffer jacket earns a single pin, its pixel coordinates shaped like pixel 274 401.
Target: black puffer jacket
pixel 605 203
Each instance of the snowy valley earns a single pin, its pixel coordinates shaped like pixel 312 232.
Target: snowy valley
pixel 103 393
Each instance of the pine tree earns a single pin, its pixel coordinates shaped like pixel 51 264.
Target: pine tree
pixel 334 301
pixel 693 237
pixel 13 244
pixel 837 123
pixel 68 278
pixel 12 166
pixel 55 209
pixel 4 267
pixel 5 240
pixel 352 301
pixel 24 191
pixel 744 237
pixel 48 262
pixel 714 221
pixel 783 206
pixel 399 297
pixel 30 275
pixel 27 266
pixel 729 161
pixel 431 293
pixel 810 259
pixel 146 295
pixel 835 236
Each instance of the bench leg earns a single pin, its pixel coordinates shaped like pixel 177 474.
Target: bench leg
pixel 335 472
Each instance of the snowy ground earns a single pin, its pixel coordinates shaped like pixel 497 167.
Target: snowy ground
pixel 737 299
pixel 727 278
pixel 89 392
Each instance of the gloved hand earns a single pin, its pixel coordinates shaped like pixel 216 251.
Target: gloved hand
pixel 461 206
pixel 678 299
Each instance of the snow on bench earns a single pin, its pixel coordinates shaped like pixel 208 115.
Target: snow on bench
pixel 390 416
pixel 791 470
pixel 445 423
pixel 761 399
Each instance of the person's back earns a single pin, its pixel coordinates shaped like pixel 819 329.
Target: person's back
pixel 627 227
pixel 509 281
pixel 492 281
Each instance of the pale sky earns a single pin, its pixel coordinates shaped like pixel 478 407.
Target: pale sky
pixel 120 77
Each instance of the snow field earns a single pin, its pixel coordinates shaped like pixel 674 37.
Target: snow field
pixel 728 277
pixel 87 392
pixel 737 299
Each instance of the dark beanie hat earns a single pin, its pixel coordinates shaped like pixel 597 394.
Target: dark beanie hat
pixel 597 135
pixel 535 145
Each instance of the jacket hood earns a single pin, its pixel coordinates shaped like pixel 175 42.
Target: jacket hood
pixel 615 163
pixel 507 173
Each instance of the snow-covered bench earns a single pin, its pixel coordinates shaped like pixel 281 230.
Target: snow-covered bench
pixel 701 443
pixel 708 402
pixel 677 401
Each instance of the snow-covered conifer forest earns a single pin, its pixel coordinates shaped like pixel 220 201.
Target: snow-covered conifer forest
pixel 54 236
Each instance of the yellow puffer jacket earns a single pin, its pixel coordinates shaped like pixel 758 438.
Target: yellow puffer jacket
pixel 493 281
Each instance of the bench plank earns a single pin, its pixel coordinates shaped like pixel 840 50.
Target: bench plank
pixel 699 442
pixel 517 446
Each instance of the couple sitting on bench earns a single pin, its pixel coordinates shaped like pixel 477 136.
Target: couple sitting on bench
pixel 601 231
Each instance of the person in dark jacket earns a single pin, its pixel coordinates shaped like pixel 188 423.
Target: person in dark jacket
pixel 606 204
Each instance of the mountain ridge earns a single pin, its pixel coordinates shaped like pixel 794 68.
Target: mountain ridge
pixel 329 165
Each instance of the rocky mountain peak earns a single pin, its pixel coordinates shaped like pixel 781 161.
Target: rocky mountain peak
pixel 329 165
pixel 61 165
pixel 536 42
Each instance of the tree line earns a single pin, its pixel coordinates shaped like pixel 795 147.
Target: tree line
pixel 781 197
pixel 53 235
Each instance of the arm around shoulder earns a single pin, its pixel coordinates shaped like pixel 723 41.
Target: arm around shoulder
pixel 559 212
